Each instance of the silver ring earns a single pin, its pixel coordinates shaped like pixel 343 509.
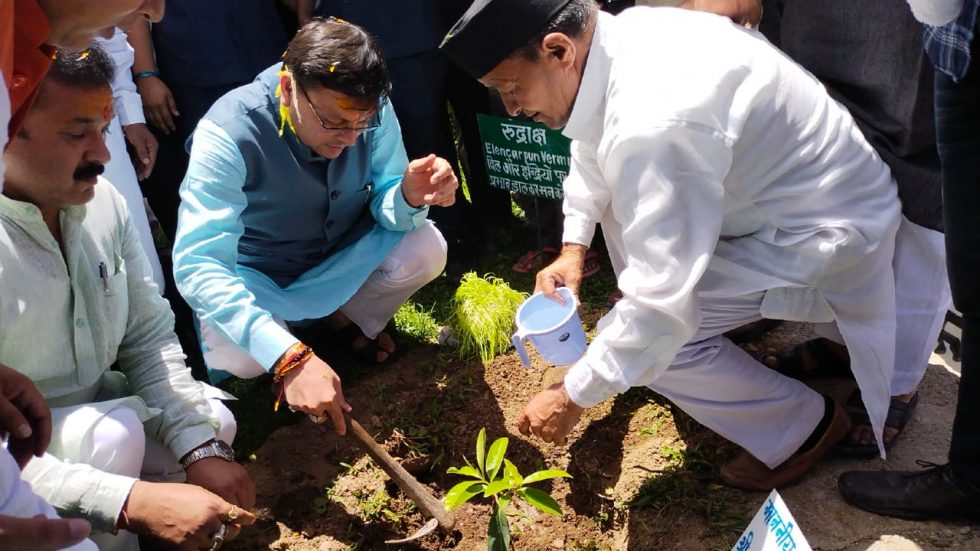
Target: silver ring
pixel 219 537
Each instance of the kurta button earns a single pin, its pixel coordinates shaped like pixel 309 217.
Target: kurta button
pixel 329 224
pixel 19 81
pixel 79 322
pixel 335 194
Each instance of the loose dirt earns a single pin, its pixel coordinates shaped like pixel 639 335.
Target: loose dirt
pixel 645 475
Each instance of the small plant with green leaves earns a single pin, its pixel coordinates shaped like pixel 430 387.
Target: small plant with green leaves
pixel 496 477
pixel 482 315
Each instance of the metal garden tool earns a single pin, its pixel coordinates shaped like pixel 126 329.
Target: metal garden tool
pixel 426 502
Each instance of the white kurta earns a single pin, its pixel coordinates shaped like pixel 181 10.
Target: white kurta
pixel 18 500
pixel 68 312
pixel 16 497
pixel 719 168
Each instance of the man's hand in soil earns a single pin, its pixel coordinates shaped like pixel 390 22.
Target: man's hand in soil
pixel 40 533
pixel 550 415
pixel 429 181
pixel 314 388
pixel 24 416
pixel 227 479
pixel 182 515
pixel 565 270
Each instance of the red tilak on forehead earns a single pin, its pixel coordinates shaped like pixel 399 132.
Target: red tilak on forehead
pixel 97 101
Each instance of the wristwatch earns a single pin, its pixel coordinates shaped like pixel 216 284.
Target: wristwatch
pixel 211 448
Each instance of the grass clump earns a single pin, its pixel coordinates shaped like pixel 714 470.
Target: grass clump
pixel 416 322
pixel 482 315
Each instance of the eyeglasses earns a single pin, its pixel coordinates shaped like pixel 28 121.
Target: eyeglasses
pixel 334 129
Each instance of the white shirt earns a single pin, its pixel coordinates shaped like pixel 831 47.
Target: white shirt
pixel 720 168
pixel 125 98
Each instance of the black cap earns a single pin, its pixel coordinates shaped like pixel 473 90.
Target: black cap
pixel 492 29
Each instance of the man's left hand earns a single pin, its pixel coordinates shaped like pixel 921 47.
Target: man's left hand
pixel 226 479
pixel 430 181
pixel 145 148
pixel 24 416
pixel 550 415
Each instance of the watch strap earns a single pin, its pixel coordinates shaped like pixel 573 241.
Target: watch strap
pixel 211 448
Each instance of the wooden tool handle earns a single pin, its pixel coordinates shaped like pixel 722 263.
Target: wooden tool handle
pixel 415 490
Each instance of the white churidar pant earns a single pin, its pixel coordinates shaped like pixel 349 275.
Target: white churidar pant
pixel 728 391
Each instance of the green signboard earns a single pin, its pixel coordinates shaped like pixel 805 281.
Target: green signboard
pixel 525 157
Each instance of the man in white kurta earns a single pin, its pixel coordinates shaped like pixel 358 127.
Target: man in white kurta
pixel 19 505
pixel 76 298
pixel 730 188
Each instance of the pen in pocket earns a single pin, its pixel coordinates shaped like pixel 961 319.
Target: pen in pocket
pixel 104 276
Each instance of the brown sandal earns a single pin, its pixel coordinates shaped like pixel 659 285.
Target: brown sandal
pixel 535 259
pixel 590 267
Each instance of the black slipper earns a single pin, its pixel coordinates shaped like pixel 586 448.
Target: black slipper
pixel 826 362
pixel 898 416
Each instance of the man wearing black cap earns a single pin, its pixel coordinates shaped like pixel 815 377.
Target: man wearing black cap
pixel 730 188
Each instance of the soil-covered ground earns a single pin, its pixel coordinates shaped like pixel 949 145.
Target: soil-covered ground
pixel 645 476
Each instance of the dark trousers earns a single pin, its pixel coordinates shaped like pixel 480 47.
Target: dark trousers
pixel 958 135
pixel 491 205
pixel 418 94
pixel 161 188
pixel 161 191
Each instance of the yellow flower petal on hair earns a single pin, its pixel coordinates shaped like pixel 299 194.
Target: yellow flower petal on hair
pixel 284 117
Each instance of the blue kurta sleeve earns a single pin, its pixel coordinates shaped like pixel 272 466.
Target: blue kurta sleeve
pixel 388 164
pixel 206 248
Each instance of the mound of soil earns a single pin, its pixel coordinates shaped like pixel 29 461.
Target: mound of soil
pixel 645 475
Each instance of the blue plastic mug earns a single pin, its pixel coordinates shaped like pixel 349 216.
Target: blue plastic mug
pixel 554 328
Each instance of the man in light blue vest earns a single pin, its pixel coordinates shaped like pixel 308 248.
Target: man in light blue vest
pixel 300 204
